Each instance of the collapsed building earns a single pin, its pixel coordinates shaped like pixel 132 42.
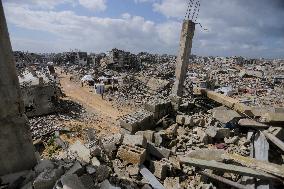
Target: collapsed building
pixel 40 92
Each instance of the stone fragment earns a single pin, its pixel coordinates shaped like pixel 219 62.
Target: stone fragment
pixel 148 134
pixel 172 183
pixel 47 179
pixel 207 154
pixel 110 143
pixel 102 173
pixel 130 154
pixel 95 162
pixel 106 185
pixel 71 182
pixel 218 133
pixel 81 151
pixel 159 152
pixel 133 170
pixel 87 181
pixel 231 140
pixel 75 169
pixel 159 169
pixel 43 165
pixel 135 140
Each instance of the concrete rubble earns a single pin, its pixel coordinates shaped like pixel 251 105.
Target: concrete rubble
pixel 215 123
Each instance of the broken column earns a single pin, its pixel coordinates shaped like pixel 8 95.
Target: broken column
pixel 16 148
pixel 187 34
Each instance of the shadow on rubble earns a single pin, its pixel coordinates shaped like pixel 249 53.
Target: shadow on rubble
pixel 70 108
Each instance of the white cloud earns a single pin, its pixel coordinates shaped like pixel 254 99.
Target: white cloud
pixel 95 5
pixel 97 34
pixel 171 8
pixel 43 4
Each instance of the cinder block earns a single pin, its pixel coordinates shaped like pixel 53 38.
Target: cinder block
pixel 130 154
pixel 135 140
pixel 159 169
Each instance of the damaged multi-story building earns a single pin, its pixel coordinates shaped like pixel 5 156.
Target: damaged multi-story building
pixel 119 59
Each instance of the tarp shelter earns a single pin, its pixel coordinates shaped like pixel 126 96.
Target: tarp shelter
pixel 87 78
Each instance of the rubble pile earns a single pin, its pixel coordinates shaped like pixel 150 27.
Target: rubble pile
pixel 159 149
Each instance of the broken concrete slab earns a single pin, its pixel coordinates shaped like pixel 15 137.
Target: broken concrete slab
pixel 277 132
pixel 259 165
pixel 71 182
pixel 214 165
pixel 225 116
pixel 43 165
pixel 218 133
pixel 274 140
pixel 158 152
pixel 252 124
pixel 130 154
pixel 272 118
pixel 80 150
pixel 148 134
pixel 207 154
pixel 150 178
pixel 47 179
pixel 87 181
pixel 95 162
pixel 106 185
pixel 159 169
pixel 75 169
pixel 223 180
pixel 135 140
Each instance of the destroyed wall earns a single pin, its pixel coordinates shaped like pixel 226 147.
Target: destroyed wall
pixel 16 148
pixel 40 92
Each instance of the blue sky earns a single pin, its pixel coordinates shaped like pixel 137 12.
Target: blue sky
pixel 235 27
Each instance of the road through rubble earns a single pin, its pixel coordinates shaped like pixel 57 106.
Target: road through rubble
pixel 92 103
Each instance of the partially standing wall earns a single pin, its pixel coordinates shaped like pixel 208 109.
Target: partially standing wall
pixel 16 148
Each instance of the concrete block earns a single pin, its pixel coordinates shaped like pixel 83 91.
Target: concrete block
pixel 81 151
pixel 110 143
pixel 47 179
pixel 106 185
pixel 148 134
pixel 87 181
pixel 135 140
pixel 130 154
pixel 159 169
pixel 158 152
pixel 43 165
pixel 102 173
pixel 71 182
pixel 216 132
pixel 75 169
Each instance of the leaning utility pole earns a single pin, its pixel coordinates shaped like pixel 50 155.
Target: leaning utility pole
pixel 16 147
pixel 187 33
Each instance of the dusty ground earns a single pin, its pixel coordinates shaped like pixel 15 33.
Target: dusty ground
pixel 100 113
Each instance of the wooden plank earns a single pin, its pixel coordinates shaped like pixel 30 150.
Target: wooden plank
pixel 259 165
pixel 225 167
pixel 274 140
pixel 150 178
pixel 224 180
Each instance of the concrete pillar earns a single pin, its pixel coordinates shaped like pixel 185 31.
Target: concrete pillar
pixel 16 148
pixel 186 37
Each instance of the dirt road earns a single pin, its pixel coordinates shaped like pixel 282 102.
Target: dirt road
pixel 93 103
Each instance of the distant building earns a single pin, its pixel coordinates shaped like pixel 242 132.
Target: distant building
pixel 120 59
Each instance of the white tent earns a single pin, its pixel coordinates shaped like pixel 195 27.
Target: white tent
pixel 87 78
